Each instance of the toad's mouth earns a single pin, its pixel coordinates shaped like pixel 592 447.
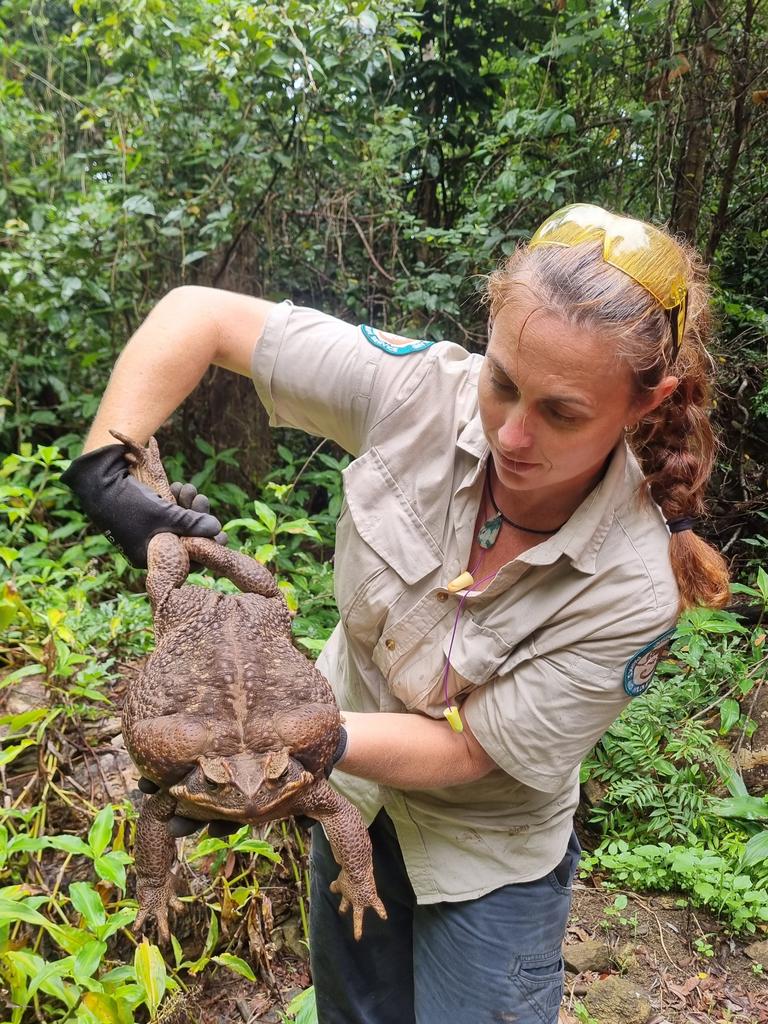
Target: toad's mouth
pixel 257 806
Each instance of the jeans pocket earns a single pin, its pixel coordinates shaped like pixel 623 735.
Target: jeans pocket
pixel 541 981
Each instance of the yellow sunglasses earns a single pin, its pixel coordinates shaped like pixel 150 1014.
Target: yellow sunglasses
pixel 638 249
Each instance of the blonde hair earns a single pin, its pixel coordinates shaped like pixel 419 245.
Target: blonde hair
pixel 675 443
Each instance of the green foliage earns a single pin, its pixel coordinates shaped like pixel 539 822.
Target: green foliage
pixel 663 758
pixel 709 879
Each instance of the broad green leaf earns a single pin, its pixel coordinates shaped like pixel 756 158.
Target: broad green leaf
pixel 193 257
pixel 151 974
pixel 49 980
pixel 266 515
pixel 100 831
pixel 234 963
pixel 12 911
pixel 70 939
pixel 104 1008
pixel 87 902
pixel 116 921
pixel 88 959
pixel 69 844
pixel 140 205
pixel 8 555
pixel 752 808
pixel 756 850
pixel 10 753
pixel 303 1007
pixel 730 712
pixel 302 527
pixel 112 868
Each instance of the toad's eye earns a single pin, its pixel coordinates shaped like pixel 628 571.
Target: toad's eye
pixel 211 786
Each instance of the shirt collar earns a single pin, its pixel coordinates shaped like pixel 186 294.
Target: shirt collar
pixel 581 538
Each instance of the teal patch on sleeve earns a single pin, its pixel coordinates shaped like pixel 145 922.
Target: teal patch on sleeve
pixel 642 665
pixel 382 340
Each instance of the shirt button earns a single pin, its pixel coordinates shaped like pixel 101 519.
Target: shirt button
pixel 389 644
pixel 442 596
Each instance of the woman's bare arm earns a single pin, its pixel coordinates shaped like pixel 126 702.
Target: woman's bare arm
pixel 190 329
pixel 411 751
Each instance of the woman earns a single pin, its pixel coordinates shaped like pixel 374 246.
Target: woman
pixel 506 574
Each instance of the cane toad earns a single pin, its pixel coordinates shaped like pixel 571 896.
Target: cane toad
pixel 228 718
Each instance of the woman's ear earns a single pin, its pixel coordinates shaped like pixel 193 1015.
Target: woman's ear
pixel 652 399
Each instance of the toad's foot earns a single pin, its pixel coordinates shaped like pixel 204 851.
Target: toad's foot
pixel 358 894
pixel 154 901
pixel 351 847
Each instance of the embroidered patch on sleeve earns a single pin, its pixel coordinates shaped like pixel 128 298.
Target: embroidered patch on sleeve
pixel 641 666
pixel 394 344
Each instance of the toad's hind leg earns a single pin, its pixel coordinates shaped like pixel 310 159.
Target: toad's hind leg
pixel 245 572
pixel 155 855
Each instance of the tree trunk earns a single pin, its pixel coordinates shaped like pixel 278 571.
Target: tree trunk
pixel 698 131
pixel 741 118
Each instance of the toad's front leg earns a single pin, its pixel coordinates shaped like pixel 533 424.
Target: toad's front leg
pixel 155 855
pixel 351 847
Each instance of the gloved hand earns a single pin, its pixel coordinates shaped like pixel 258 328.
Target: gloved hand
pixel 129 512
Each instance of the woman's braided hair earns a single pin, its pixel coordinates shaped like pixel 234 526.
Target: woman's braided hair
pixel 674 444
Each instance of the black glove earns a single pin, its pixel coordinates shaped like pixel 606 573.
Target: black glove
pixel 129 512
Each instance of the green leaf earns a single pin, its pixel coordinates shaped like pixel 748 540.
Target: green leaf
pixel 140 205
pixel 751 808
pixel 105 1009
pixel 100 831
pixel 762 584
pixel 756 850
pixel 87 903
pixel 193 257
pixel 69 844
pixel 265 515
pixel 303 527
pixel 8 555
pixel 730 712
pixel 12 911
pixel 110 867
pixel 69 286
pixel 88 959
pixel 303 1007
pixel 151 974
pixel 234 963
pixel 116 921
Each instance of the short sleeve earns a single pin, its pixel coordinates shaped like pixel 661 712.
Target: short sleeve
pixel 540 720
pixel 319 374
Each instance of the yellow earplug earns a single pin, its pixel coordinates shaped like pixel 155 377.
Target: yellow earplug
pixel 454 718
pixel 466 579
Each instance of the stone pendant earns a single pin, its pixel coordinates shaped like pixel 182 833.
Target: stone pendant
pixel 486 538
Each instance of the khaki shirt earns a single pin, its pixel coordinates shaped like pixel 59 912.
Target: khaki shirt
pixel 539 656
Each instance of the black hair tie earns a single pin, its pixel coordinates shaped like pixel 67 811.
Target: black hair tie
pixel 681 523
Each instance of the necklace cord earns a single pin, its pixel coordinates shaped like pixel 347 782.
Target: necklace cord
pixel 509 522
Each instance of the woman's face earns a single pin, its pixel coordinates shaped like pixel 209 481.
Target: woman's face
pixel 554 401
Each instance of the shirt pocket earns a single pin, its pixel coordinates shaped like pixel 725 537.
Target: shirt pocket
pixel 382 548
pixel 416 679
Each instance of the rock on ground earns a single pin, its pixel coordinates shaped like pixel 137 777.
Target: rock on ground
pixel 617 1001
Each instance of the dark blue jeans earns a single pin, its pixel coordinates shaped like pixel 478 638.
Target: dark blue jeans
pixel 493 960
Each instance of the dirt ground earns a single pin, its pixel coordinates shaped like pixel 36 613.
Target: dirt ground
pixel 655 951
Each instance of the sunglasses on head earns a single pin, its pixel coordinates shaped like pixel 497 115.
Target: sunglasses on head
pixel 638 249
